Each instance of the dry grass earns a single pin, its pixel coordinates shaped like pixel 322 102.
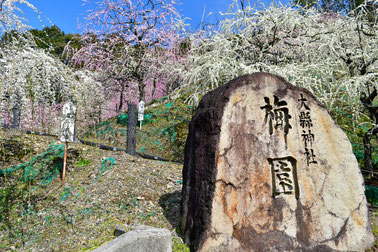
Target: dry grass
pixel 83 213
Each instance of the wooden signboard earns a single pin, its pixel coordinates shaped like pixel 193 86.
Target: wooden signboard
pixel 67 133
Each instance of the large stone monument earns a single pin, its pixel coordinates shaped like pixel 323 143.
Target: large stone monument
pixel 267 169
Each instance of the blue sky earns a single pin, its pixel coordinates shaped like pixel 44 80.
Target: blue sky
pixel 67 13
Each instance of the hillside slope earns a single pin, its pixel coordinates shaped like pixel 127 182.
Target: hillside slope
pixel 97 195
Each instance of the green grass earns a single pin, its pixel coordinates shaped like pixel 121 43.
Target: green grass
pixel 82 163
pixel 164 130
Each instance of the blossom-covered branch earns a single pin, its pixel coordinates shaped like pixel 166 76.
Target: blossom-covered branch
pixel 120 39
pixel 323 52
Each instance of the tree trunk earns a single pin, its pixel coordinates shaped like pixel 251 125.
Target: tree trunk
pixel 367 101
pixel 368 149
pixel 43 119
pixel 17 113
pixel 142 92
pixel 16 117
pixel 131 129
pixel 121 97
pixel 153 89
pixel 99 114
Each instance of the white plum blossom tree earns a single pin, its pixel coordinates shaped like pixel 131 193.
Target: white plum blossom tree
pixel 31 79
pixel 11 15
pixel 332 55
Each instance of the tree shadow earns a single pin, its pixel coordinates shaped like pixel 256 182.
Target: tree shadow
pixel 170 202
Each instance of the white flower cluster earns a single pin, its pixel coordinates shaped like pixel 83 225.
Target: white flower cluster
pixel 30 76
pixel 11 15
pixel 332 55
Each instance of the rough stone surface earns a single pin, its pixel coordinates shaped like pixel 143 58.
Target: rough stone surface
pixel 139 239
pixel 121 229
pixel 267 169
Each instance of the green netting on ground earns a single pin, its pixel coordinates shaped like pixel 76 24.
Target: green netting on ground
pixel 69 192
pixel 20 202
pixel 371 193
pixel 105 165
pixel 109 131
pixel 164 133
pixel 123 119
pixel 105 131
pixel 44 166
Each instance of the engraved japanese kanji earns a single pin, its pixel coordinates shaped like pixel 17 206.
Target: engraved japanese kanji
pixel 284 176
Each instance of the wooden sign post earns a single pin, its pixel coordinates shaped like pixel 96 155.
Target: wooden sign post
pixel 64 162
pixel 141 113
pixel 67 131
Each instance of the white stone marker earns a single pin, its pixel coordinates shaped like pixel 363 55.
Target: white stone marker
pixel 140 113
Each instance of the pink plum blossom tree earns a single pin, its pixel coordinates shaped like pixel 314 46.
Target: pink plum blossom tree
pixel 120 41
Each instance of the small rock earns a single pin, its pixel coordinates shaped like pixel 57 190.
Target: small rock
pixel 140 239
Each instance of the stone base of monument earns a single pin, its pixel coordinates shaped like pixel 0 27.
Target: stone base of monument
pixel 267 169
pixel 139 238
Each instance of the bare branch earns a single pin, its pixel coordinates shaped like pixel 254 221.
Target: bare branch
pixel 1 4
